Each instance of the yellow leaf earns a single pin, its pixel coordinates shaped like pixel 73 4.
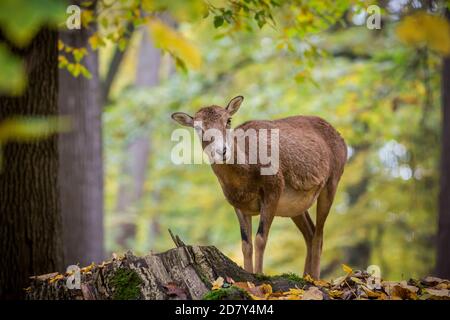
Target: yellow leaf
pixel 308 278
pixel 357 280
pixel 293 297
pixel 425 29
pixel 321 283
pixel 88 268
pixel 335 293
pixel 218 283
pixel 256 297
pixel 295 291
pixel 370 293
pixel 347 269
pixel 87 16
pixel 95 41
pixel 174 42
pixel 266 289
pixel 56 278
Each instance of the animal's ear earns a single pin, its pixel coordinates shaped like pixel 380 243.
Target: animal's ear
pixel 234 104
pixel 183 118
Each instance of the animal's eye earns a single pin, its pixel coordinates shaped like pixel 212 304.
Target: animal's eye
pixel 229 122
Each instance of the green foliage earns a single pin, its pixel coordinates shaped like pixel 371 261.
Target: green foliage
pixel 12 78
pixel 290 276
pixel 293 277
pixel 126 283
pixel 231 293
pixel 20 20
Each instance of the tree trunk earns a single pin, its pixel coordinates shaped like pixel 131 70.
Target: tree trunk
pixel 131 189
pixel 443 248
pixel 80 153
pixel 30 222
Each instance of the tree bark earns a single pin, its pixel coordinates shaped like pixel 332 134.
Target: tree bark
pixel 443 239
pixel 30 222
pixel 80 153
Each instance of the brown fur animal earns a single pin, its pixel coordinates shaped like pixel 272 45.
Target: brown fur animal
pixel 312 156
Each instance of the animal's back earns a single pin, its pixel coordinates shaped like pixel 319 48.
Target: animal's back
pixel 311 150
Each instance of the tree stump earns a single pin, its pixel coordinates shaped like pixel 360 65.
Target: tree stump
pixel 185 272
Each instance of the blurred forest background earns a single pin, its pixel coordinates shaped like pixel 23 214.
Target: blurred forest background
pixel 135 62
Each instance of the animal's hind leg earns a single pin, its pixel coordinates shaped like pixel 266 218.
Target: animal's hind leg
pixel 324 203
pixel 306 227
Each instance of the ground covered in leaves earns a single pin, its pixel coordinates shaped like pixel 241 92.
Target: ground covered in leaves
pixel 353 285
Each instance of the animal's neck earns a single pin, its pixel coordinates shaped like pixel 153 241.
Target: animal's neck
pixel 230 173
pixel 232 170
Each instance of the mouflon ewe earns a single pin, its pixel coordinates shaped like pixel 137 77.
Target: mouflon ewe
pixel 311 156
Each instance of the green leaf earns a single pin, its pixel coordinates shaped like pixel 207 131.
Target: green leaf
pixel 22 19
pixel 24 129
pixel 218 21
pixel 12 75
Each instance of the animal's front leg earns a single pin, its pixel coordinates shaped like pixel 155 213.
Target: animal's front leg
pixel 266 218
pixel 245 223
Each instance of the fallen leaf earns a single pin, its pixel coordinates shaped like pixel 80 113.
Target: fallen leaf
pixel 295 291
pixel 442 285
pixel 321 283
pixel 262 291
pixel 405 285
pixel 338 281
pixel 347 269
pixel 403 293
pixel 56 278
pixel 88 268
pixel 218 283
pixel 431 281
pixel 335 293
pixel 370 293
pixel 308 278
pixel 313 293
pixel 242 285
pixel 357 280
pixel 291 297
pixel 438 292
pixel 388 285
